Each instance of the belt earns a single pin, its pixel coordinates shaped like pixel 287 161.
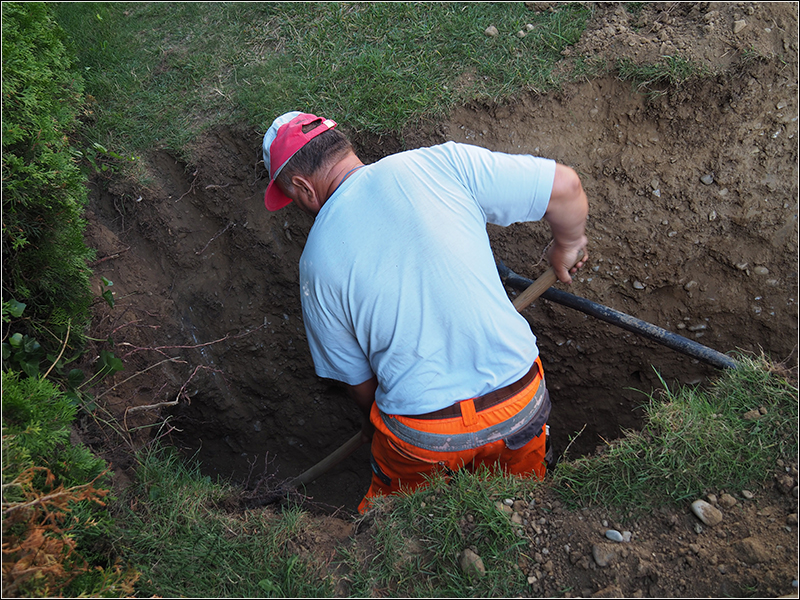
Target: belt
pixel 516 431
pixel 487 400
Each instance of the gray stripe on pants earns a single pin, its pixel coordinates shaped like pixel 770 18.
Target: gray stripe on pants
pixel 438 442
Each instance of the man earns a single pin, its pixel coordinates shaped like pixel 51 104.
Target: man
pixel 402 300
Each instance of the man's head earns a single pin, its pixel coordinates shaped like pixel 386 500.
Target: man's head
pixel 295 146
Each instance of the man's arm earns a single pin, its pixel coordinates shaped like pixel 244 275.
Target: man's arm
pixel 566 213
pixel 364 395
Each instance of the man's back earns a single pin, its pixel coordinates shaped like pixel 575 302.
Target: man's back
pixel 398 278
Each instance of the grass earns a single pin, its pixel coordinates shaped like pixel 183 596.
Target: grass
pixel 160 73
pixel 670 70
pixel 694 441
pixel 418 539
pixel 173 528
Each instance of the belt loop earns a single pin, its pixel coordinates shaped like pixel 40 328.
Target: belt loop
pixel 468 415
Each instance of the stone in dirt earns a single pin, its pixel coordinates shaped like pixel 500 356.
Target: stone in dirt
pixel 471 564
pixel 708 514
pixel 752 551
pixel 603 554
pixel 752 415
pixel 503 508
pixel 785 483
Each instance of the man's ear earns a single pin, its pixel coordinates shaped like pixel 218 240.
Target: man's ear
pixel 305 193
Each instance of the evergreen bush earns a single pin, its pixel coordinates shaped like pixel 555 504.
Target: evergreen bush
pixel 44 191
pixel 36 432
pixel 54 509
pixel 55 521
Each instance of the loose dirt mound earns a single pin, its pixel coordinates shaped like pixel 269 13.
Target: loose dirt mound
pixel 693 227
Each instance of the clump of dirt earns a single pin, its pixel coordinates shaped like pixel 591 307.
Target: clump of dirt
pixel 693 227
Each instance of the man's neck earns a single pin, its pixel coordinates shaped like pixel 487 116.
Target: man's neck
pixel 338 172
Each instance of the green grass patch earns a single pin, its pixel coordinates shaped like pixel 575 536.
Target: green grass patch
pixel 175 530
pixel 728 437
pixel 418 538
pixel 669 71
pixel 179 530
pixel 162 72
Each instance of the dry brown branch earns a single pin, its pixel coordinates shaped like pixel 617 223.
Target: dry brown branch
pixel 191 186
pixel 181 394
pixel 161 349
pixel 543 256
pixel 132 324
pixel 135 409
pixel 182 391
pixel 139 373
pixel 57 496
pixel 109 257
pixel 40 554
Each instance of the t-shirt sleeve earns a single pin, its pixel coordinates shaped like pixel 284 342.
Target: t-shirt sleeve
pixel 509 188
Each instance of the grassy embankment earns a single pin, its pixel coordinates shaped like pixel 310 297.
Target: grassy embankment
pixel 162 73
pixel 156 75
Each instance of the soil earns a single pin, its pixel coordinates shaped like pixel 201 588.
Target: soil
pixel 693 193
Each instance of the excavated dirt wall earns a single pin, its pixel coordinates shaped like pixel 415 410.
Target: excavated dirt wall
pixel 693 227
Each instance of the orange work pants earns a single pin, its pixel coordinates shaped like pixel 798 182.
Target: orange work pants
pixel 400 465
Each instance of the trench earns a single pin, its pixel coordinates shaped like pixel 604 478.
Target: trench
pixel 216 274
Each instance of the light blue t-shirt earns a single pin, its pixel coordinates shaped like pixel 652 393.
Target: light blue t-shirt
pixel 398 278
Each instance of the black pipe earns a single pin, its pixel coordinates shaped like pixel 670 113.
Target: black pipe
pixel 627 322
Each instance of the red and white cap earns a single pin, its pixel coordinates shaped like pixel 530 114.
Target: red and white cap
pixel 281 142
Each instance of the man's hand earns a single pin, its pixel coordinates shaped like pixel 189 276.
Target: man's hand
pixel 566 213
pixel 566 261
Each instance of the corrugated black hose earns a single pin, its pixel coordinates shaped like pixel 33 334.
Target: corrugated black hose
pixel 627 322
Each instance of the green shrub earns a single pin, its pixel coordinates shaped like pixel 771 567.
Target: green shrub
pixel 36 432
pixel 44 192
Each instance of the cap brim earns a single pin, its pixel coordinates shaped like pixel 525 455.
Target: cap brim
pixel 274 198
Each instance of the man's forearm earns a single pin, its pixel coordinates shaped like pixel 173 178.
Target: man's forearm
pixel 364 394
pixel 566 214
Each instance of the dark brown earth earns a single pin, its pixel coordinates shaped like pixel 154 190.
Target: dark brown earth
pixel 693 193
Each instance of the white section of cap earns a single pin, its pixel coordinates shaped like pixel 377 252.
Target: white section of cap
pixel 272 132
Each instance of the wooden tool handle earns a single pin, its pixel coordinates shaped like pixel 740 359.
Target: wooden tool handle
pixel 539 287
pixel 327 463
pixel 536 289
